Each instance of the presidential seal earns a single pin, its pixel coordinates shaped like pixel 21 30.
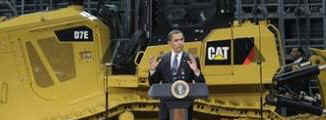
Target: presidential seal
pixel 180 89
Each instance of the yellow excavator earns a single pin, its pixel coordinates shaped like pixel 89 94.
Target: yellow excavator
pixel 68 64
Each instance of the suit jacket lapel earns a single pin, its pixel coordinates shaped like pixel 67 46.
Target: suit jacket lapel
pixel 182 63
pixel 168 66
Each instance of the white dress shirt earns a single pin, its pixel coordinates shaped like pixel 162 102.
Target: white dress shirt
pixel 172 58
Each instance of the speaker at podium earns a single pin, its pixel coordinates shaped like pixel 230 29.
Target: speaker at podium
pixel 179 96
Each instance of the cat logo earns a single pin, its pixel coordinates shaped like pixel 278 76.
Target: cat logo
pixel 218 53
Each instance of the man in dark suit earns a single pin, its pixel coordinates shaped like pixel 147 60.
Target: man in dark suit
pixel 175 65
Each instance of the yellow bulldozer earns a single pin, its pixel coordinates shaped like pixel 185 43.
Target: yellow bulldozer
pixel 68 64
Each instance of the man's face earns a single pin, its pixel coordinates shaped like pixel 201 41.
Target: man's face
pixel 177 42
pixel 295 52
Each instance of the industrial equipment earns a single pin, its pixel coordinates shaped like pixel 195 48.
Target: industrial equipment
pixel 69 64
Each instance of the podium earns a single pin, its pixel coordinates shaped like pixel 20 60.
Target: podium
pixel 179 96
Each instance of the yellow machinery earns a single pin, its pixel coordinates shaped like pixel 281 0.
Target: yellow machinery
pixel 319 59
pixel 48 78
pixel 53 67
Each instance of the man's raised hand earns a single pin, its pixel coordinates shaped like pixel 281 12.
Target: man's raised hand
pixel 153 63
pixel 193 65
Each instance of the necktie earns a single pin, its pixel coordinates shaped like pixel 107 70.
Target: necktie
pixel 175 65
